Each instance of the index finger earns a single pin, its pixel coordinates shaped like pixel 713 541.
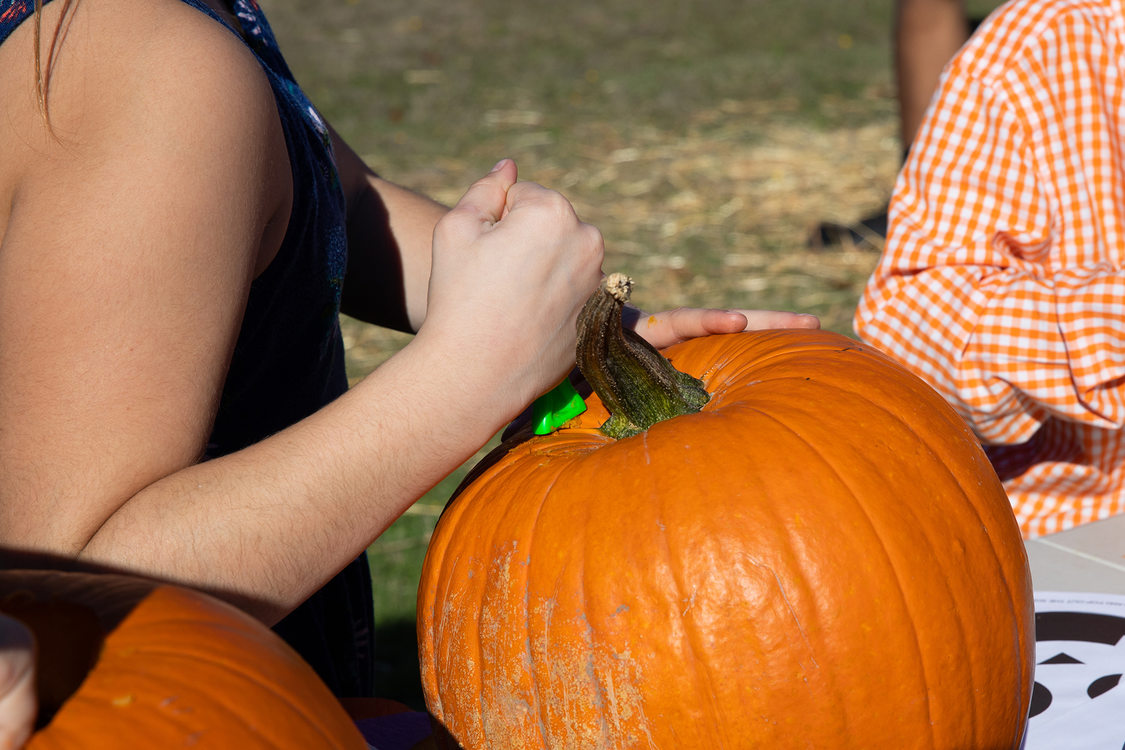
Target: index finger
pixel 671 327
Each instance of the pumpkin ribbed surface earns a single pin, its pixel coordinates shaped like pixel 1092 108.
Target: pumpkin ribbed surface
pixel 821 557
pixel 170 668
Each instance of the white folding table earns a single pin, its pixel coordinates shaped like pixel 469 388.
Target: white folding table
pixel 1079 581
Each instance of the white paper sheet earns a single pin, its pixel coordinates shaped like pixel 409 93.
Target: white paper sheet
pixel 1079 698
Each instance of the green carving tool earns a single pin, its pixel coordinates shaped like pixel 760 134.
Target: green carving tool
pixel 555 407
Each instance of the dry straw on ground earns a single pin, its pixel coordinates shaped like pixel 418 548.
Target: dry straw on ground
pixel 718 215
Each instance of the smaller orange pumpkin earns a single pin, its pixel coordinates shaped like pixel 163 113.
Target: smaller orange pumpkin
pixel 127 663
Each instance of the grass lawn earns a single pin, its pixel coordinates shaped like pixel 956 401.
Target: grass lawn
pixel 705 140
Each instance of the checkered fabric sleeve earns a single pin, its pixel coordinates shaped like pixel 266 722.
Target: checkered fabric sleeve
pixel 1001 283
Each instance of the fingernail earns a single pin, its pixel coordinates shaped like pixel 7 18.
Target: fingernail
pixel 499 164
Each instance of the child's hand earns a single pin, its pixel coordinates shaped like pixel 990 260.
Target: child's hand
pixel 512 266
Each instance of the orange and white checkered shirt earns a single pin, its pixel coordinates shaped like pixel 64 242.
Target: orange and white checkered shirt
pixel 1003 279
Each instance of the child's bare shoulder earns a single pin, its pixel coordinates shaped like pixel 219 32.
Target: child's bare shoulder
pixel 118 73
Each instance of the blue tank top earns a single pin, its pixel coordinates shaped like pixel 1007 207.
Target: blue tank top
pixel 289 358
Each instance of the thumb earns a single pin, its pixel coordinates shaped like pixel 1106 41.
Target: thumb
pixel 485 202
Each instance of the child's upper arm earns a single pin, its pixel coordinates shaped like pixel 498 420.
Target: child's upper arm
pixel 132 236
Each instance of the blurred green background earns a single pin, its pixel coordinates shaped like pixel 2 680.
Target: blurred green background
pixel 704 139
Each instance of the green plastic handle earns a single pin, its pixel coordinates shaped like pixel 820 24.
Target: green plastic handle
pixel 555 407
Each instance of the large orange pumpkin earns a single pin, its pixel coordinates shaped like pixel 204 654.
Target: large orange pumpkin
pixel 821 557
pixel 124 663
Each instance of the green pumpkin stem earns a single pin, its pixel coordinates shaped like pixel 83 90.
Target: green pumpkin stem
pixel 636 383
